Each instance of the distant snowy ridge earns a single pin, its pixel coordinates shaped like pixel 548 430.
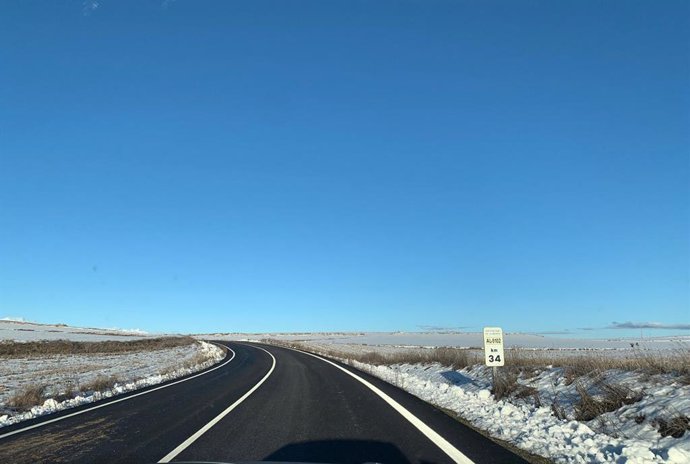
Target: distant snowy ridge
pixel 18 329
pixel 127 331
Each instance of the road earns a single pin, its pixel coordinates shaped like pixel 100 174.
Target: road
pixel 262 403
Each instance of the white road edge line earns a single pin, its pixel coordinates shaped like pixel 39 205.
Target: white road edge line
pixel 430 433
pixel 14 432
pixel 171 455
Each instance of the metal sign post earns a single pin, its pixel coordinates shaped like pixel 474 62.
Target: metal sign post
pixel 493 351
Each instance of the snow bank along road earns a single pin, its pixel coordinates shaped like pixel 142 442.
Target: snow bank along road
pixel 260 403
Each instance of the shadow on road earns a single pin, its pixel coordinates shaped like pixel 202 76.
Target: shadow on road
pixel 340 451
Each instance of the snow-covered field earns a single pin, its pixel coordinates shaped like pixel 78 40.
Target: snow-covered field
pixel 454 339
pixel 17 330
pixel 69 380
pixel 629 434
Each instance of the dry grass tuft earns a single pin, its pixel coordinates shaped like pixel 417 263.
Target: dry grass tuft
pixel 197 359
pixel 674 427
pixel 558 410
pixel 28 397
pixel 70 391
pixel 50 347
pixel 525 392
pixel 612 398
pixel 168 370
pixel 505 384
pixel 101 383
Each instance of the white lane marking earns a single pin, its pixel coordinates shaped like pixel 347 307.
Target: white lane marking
pixel 171 455
pixel 116 400
pixel 430 433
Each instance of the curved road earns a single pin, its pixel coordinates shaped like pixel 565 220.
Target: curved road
pixel 264 403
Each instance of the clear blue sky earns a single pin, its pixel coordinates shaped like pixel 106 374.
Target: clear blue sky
pixel 356 165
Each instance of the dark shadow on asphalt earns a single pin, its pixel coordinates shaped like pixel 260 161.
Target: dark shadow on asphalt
pixel 340 452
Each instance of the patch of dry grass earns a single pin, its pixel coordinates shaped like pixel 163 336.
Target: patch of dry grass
pixel 194 361
pixel 101 383
pixel 675 427
pixel 612 398
pixel 70 390
pixel 590 363
pixel 505 384
pixel 454 358
pixel 52 347
pixel 168 369
pixel 191 363
pixel 28 397
pixel 558 410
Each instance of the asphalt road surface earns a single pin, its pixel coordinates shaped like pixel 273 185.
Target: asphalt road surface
pixel 262 403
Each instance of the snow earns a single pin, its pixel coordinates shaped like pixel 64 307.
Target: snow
pixel 16 329
pixel 63 372
pixel 613 437
pixel 455 339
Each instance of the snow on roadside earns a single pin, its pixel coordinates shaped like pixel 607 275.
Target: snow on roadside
pixel 63 372
pixel 537 430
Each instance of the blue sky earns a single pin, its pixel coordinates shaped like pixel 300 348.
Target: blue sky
pixel 355 165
